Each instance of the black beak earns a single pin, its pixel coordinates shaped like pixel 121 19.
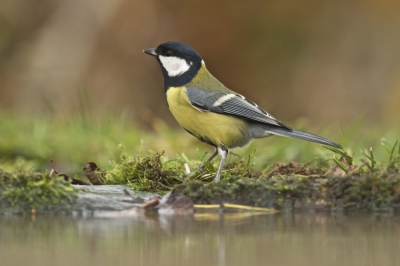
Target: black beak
pixel 150 51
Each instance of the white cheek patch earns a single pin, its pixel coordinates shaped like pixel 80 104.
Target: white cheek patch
pixel 175 66
pixel 223 99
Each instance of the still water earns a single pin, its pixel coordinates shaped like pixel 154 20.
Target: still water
pixel 204 239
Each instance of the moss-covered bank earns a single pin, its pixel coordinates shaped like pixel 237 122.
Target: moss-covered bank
pixel 23 191
pixel 377 190
pixel 371 186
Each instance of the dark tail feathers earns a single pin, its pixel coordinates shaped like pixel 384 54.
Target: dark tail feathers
pixel 303 135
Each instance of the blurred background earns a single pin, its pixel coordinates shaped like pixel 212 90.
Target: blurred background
pixel 325 60
pixel 328 63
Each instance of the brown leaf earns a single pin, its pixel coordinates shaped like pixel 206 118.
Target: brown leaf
pixel 74 181
pixel 151 203
pixel 396 188
pixel 336 170
pixel 92 172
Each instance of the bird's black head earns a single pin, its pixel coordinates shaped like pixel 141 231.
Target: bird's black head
pixel 179 62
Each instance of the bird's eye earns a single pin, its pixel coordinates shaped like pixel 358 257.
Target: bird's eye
pixel 168 53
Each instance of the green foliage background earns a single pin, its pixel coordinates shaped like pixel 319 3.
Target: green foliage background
pixel 29 142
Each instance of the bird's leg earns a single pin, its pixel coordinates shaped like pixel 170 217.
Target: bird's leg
pixel 201 168
pixel 223 152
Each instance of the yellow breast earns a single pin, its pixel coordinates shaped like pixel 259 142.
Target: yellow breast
pixel 216 129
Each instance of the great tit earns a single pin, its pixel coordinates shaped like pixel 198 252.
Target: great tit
pixel 208 110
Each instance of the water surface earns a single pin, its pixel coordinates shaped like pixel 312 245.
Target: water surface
pixel 205 239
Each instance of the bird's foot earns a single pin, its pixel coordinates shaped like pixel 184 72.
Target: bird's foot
pixel 216 179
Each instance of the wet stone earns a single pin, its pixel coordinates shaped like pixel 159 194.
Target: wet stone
pixel 108 198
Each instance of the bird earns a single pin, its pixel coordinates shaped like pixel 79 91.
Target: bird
pixel 211 112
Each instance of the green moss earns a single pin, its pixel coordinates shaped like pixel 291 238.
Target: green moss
pixel 27 191
pixel 284 186
pixel 149 172
pixel 271 192
pixel 377 190
pixel 156 173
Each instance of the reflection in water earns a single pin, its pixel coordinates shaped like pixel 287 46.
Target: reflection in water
pixel 203 239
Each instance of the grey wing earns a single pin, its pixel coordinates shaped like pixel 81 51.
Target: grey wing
pixel 230 103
